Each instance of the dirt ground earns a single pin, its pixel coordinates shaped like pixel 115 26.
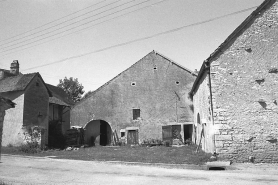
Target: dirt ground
pixel 47 170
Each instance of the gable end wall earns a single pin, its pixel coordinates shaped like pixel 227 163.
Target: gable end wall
pixel 245 93
pixel 154 94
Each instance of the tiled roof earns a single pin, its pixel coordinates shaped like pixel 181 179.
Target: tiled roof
pixel 60 97
pixel 16 83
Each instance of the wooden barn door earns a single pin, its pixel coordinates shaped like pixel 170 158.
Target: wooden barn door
pixel 132 137
pixel 167 133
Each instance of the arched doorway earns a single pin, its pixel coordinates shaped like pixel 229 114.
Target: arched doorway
pixel 97 129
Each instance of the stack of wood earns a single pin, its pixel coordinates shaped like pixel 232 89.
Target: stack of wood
pixel 74 137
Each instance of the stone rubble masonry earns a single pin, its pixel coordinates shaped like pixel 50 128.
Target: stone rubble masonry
pixel 244 81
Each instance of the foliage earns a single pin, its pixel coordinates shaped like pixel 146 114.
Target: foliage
pixel 87 94
pixel 30 147
pixel 72 87
pixel 10 145
pixel 152 142
pixel 32 139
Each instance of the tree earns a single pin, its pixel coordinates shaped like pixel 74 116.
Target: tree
pixel 72 87
pixel 87 94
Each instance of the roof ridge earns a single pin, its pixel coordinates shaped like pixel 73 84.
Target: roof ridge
pixel 230 38
pixel 108 82
pixel 179 65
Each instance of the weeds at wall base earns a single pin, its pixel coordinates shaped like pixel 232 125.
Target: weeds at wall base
pixel 30 147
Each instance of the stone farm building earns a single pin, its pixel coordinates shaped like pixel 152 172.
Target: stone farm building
pixel 5 104
pixel 235 95
pixel 34 99
pixel 150 94
pixel 59 115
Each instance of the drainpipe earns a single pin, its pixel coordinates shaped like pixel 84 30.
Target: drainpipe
pixel 207 65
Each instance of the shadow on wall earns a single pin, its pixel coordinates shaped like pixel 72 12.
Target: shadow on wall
pixel 97 132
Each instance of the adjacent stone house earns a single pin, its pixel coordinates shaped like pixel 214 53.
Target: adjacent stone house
pixel 5 104
pixel 138 102
pixel 59 115
pixel 236 92
pixel 31 96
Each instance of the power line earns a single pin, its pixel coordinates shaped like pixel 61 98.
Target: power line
pixel 76 22
pixel 83 28
pixel 143 38
pixel 50 22
pixel 70 29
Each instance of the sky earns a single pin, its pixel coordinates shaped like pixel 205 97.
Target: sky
pixel 95 40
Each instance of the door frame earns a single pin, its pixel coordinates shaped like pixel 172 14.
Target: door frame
pixel 136 129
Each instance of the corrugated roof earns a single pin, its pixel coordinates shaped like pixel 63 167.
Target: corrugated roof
pixel 60 97
pixel 16 83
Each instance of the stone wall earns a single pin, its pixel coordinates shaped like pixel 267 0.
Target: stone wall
pixel 12 129
pixel 203 115
pixel 155 85
pixel 36 105
pixel 244 81
pixel 4 105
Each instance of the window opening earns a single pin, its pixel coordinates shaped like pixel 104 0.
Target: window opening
pixel 177 82
pixel 136 114
pixel 133 83
pixel 198 119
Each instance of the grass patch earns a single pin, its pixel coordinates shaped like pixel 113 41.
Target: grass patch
pixel 157 154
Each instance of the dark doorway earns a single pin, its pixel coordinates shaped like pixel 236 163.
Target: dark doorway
pixel 187 132
pixel 132 137
pixel 97 132
pixel 103 133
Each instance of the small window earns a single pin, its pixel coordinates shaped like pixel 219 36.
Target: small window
pixel 177 82
pixel 133 83
pixel 122 134
pixel 154 67
pixel 136 114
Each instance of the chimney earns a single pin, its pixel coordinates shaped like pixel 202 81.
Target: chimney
pixel 14 69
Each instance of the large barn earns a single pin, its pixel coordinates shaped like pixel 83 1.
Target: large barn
pixel 138 102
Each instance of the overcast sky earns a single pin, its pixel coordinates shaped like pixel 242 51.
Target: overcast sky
pixel 40 32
